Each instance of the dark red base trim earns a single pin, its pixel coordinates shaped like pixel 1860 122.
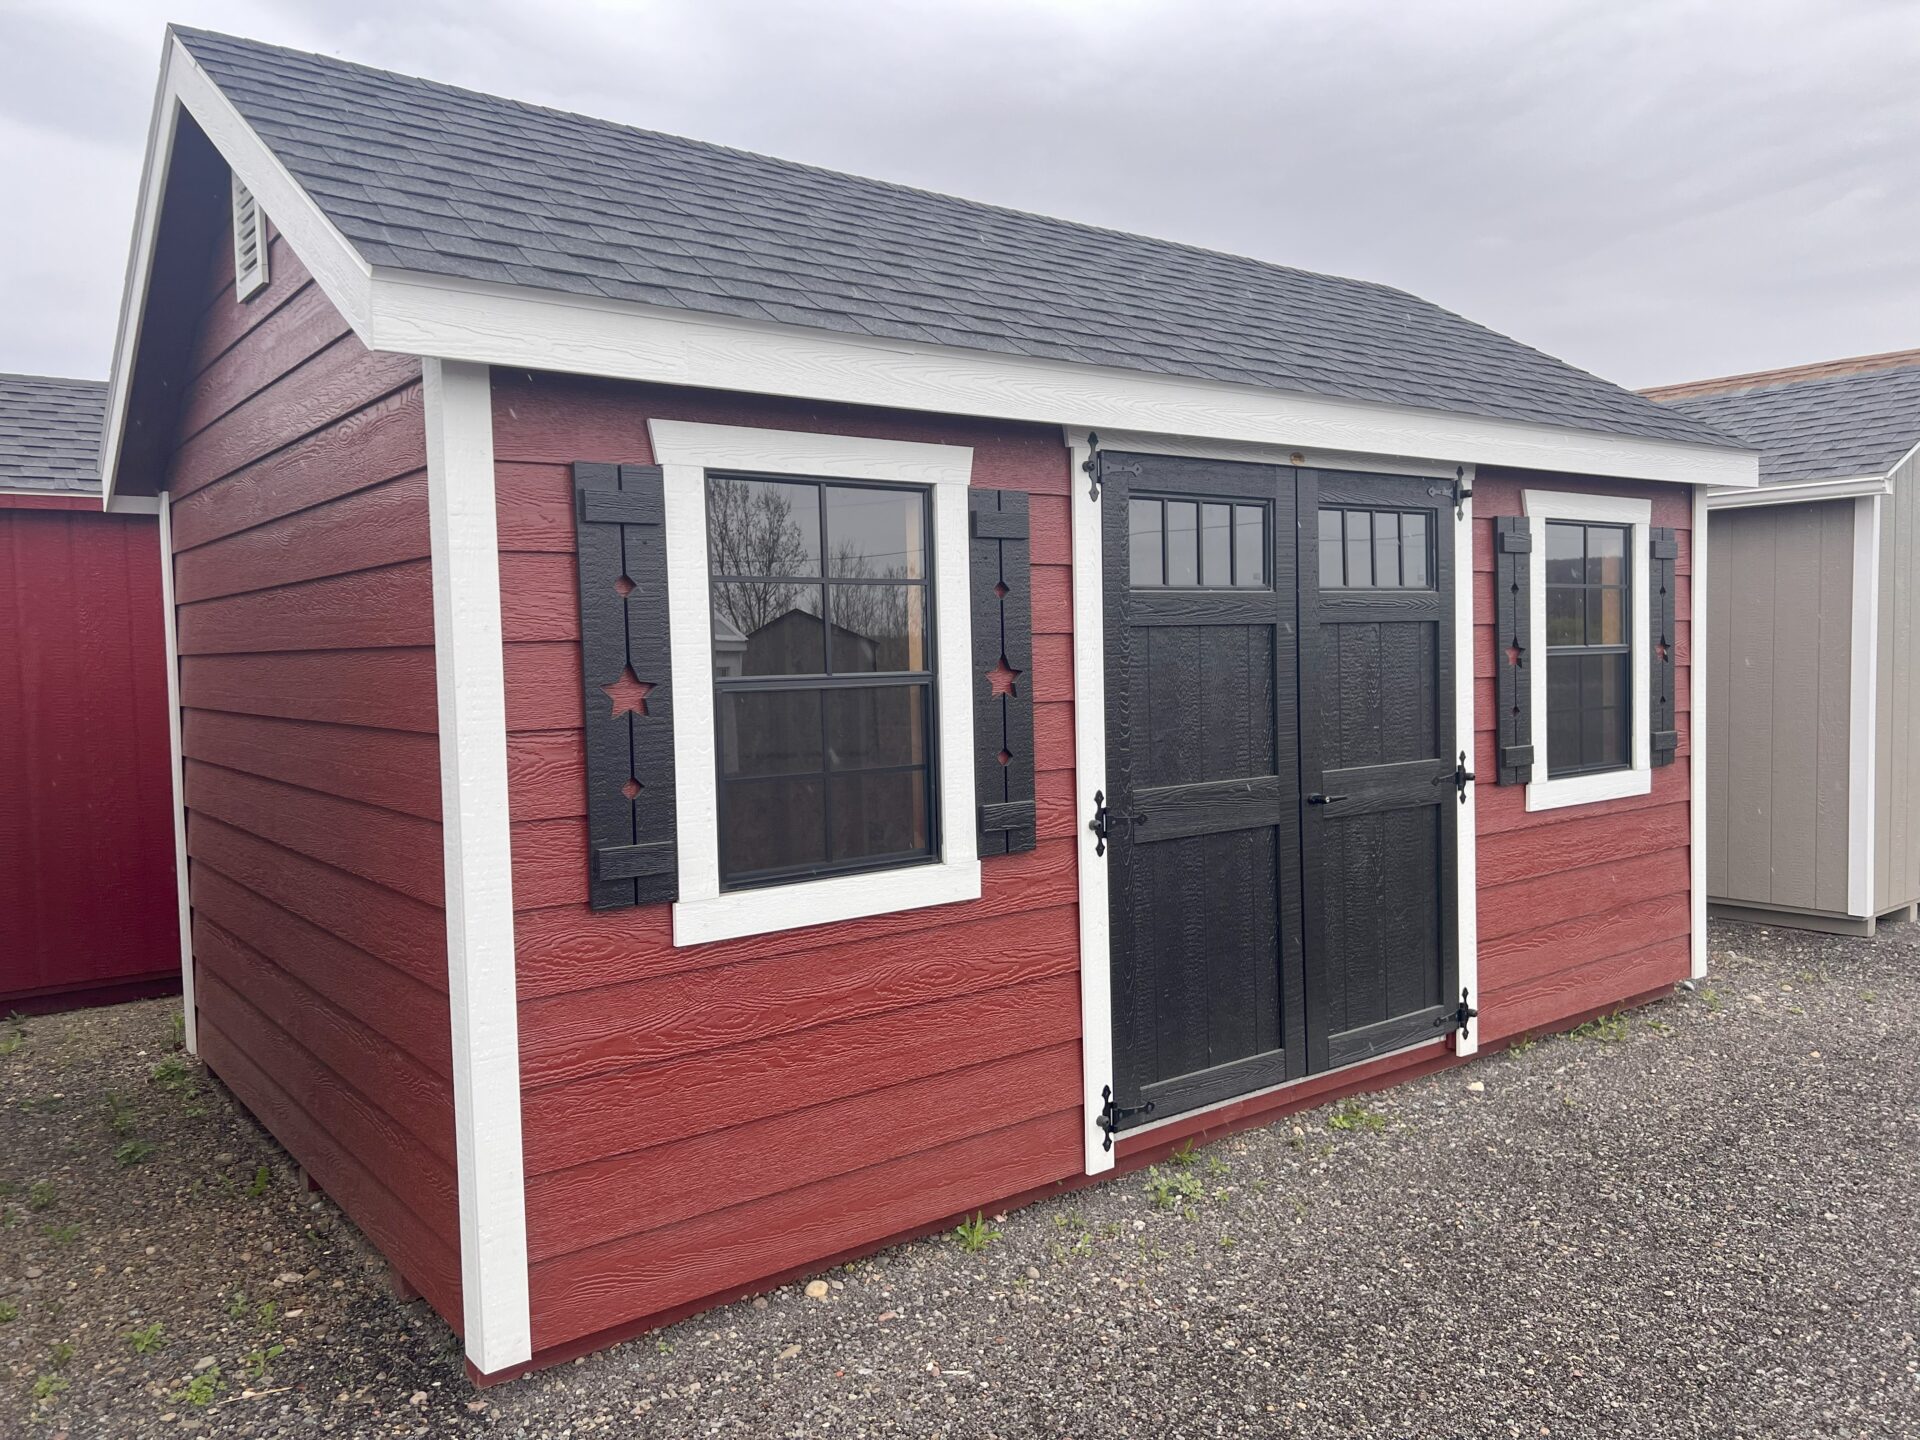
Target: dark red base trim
pixel 52 1001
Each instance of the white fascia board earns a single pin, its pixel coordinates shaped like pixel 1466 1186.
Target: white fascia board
pixel 1802 492
pixel 477 855
pixel 335 265
pixel 574 334
pixel 133 505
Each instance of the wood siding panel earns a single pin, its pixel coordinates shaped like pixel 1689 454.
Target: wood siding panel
pixel 630 1044
pixel 306 622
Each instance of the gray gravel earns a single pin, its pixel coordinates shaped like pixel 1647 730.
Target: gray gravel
pixel 1702 1218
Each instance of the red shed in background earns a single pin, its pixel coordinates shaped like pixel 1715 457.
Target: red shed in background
pixel 88 906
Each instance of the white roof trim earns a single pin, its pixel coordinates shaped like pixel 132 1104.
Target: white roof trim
pixel 1802 492
pixel 520 328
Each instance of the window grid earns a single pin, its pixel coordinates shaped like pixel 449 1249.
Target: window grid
pixel 1589 648
pixel 1197 544
pixel 1367 549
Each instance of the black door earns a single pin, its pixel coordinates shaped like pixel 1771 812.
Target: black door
pixel 1280 766
pixel 1378 762
pixel 1203 779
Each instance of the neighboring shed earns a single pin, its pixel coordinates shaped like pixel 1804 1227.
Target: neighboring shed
pixel 733 713
pixel 88 909
pixel 1814 787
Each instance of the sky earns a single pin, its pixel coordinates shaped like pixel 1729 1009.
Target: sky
pixel 1653 190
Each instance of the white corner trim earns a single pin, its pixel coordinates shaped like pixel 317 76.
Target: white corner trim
pixel 1089 776
pixel 1697 731
pixel 1467 845
pixel 478 858
pixel 1801 492
pixel 1863 700
pixel 685 452
pixel 335 265
pixel 182 894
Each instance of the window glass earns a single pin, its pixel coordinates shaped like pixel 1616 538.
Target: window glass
pixel 1145 558
pixel 1216 544
pixel 1195 544
pixel 1589 651
pixel 1249 545
pixel 823 681
pixel 1333 555
pixel 1376 549
pixel 1183 543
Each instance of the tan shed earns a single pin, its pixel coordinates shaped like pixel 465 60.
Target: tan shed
pixel 1813 645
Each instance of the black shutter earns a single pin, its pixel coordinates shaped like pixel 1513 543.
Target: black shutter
pixel 1665 548
pixel 1002 623
pixel 1513 635
pixel 626 674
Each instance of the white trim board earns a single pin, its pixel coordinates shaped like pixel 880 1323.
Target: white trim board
pixel 478 858
pixel 1697 733
pixel 1863 700
pixel 1801 492
pixel 685 452
pixel 1540 506
pixel 183 898
pixel 1466 822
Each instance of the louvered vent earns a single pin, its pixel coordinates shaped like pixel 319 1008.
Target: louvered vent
pixel 249 243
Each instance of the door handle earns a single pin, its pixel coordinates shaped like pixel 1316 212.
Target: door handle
pixel 1318 799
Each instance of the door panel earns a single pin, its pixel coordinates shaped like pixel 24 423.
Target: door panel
pixel 1203 779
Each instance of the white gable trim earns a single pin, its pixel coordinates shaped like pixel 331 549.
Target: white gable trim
pixel 1802 492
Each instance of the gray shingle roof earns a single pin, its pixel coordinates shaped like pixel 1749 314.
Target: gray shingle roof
pixel 422 177
pixel 1823 428
pixel 50 433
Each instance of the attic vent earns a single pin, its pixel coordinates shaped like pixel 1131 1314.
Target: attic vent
pixel 249 243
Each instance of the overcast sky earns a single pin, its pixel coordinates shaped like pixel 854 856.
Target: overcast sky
pixel 1655 190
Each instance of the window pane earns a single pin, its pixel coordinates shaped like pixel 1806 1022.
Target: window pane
pixel 1333 568
pixel 768 627
pixel 1143 526
pixel 769 732
pixel 882 725
pixel 1183 543
pixel 772 824
pixel 876 534
pixel 1564 621
pixel 879 627
pixel 883 814
pixel 1566 563
pixel 1216 544
pixel 1606 555
pixel 1606 616
pixel 1360 548
pixel 1249 545
pixel 763 527
pixel 1413 551
pixel 1386 549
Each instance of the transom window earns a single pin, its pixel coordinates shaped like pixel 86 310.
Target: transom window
pixel 823 676
pixel 1376 549
pixel 1196 544
pixel 1589 653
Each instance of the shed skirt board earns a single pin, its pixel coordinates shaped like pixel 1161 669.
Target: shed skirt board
pixel 1280 778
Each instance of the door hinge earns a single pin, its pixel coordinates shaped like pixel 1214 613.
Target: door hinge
pixel 1463 1014
pixel 1111 1114
pixel 1095 466
pixel 1459 492
pixel 1458 777
pixel 1105 824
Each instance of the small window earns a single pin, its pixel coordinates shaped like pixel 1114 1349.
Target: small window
pixel 1196 544
pixel 1589 653
pixel 249 243
pixel 823 661
pixel 1376 550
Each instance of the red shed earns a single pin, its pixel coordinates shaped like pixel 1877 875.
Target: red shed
pixel 732 713
pixel 89 909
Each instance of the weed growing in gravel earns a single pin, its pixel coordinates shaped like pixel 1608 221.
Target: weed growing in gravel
pixel 172 1074
pixel 976 1234
pixel 1710 997
pixel 11 1041
pixel 265 1313
pixel 120 1117
pixel 9 1312
pixel 1608 1029
pixel 60 1356
pixel 147 1339
pixel 237 1305
pixel 46 1386
pixel 133 1152
pixel 177 1030
pixel 1521 1044
pixel 61 1234
pixel 1217 1166
pixel 1352 1115
pixel 258 1361
pixel 40 1195
pixel 1227 1242
pixel 1170 1191
pixel 262 1178
pixel 1182 1156
pixel 201 1389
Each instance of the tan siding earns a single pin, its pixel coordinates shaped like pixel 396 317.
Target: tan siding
pixel 1781 609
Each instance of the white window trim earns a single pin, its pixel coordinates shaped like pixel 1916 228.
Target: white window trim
pixel 685 452
pixel 1637 778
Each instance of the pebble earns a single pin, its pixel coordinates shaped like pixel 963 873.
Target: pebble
pixel 1477 1087
pixel 205 1362
pixel 789 1352
pixel 817 1289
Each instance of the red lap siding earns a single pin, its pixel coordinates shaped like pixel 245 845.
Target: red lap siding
pixel 308 723
pixel 811 1091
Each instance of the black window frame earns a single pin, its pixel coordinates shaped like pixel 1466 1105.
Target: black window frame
pixel 1429 542
pixel 1558 768
pixel 1234 504
pixel 927 681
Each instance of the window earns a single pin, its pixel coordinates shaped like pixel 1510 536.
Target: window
pixel 1375 550
pixel 823 678
pixel 1196 544
pixel 1589 681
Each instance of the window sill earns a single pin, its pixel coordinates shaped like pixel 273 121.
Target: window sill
pixel 1588 789
pixel 823 902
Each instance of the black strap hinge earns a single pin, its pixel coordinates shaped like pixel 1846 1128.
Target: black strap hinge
pixel 1463 1014
pixel 1458 777
pixel 1111 1114
pixel 1458 491
pixel 1095 466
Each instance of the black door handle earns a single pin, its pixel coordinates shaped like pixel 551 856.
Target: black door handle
pixel 1318 799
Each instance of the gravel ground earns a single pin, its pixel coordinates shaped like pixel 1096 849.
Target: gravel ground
pixel 1702 1218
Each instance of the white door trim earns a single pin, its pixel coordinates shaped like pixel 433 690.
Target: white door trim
pixel 182 895
pixel 478 856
